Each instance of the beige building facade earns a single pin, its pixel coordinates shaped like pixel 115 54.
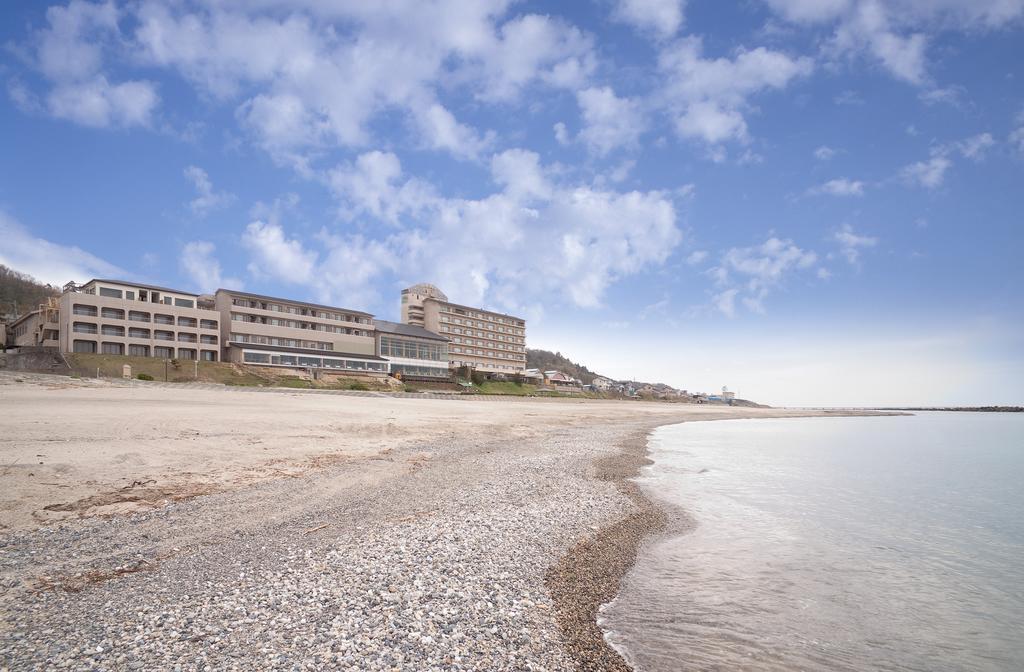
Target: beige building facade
pixel 269 331
pixel 37 328
pixel 485 340
pixel 115 317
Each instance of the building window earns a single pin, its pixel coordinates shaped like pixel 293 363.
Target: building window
pixel 163 353
pixel 187 338
pixel 187 322
pixel 208 340
pixel 112 313
pixel 138 350
pixel 79 309
pixel 113 348
pixel 208 356
pixel 186 353
pixel 207 324
pixel 163 335
pixel 138 316
pixel 129 295
pixel 135 332
pixel 257 358
pixel 111 330
pixel 163 319
pixel 112 293
pixel 84 328
pixel 84 346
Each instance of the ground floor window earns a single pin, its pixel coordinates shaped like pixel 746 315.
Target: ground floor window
pixel 163 353
pixel 208 356
pixel 113 348
pixel 84 346
pixel 138 350
pixel 426 371
pixel 186 353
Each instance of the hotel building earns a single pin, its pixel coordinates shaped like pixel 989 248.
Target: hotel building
pixel 120 318
pixel 268 331
pixel 412 352
pixel 487 341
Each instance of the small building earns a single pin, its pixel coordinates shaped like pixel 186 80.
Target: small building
pixel 413 353
pixel 533 376
pixel 562 381
pixel 602 384
pixel 36 328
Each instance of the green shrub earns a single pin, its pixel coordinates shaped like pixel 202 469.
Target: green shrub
pixel 358 386
pixel 144 376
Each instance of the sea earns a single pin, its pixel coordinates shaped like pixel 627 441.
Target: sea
pixel 833 543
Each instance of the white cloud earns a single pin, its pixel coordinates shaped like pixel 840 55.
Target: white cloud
pixel 370 186
pixel 840 187
pixel 976 147
pixel 207 200
pixel 824 153
pixel 609 122
pixel 661 17
pixel 46 261
pixel 751 273
pixel 69 53
pixel 851 244
pixel 896 32
pixel 561 134
pixel 697 257
pixel 1016 139
pixel 199 263
pixel 535 236
pixel 929 174
pixel 276 256
pixel 948 95
pixel 440 130
pixel 707 95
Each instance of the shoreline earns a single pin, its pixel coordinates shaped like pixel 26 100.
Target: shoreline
pixel 589 574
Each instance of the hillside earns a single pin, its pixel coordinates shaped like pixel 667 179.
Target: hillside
pixel 20 293
pixel 546 360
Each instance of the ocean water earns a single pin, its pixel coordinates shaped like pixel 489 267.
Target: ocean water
pixel 874 543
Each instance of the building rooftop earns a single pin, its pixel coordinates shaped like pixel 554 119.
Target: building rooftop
pixel 261 297
pixel 139 285
pixel 400 329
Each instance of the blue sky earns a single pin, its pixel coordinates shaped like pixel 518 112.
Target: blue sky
pixel 811 201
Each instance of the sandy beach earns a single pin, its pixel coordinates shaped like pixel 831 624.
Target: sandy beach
pixel 186 527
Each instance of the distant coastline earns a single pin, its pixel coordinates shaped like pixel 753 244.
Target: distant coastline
pixel 966 409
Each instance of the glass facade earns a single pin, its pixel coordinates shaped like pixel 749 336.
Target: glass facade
pixel 312 361
pixel 407 348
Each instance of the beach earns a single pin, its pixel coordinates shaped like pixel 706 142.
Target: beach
pixel 152 526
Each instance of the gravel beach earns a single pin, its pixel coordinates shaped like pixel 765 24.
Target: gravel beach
pixel 469 550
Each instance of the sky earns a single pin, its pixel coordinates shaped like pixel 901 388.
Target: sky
pixel 813 202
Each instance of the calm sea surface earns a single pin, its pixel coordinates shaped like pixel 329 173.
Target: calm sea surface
pixel 888 543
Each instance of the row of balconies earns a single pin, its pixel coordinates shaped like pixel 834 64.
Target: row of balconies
pixel 143 334
pixel 142 316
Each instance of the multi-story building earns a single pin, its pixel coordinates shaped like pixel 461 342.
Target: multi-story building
pixel 482 339
pixel 268 331
pixel 411 351
pixel 124 318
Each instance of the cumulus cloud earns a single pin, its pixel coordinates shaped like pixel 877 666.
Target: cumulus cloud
pixel 851 244
pixel 276 256
pixel 198 262
pixel 534 236
pixel 660 17
pixel 69 53
pixel 839 187
pixel 707 96
pixel 609 122
pixel 1016 139
pixel 896 32
pixel 929 174
pixel 749 274
pixel 47 261
pixel 207 200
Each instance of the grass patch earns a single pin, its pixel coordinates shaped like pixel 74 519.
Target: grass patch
pixel 506 387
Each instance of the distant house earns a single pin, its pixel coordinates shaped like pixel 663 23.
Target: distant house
pixel 560 380
pixel 533 376
pixel 602 384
